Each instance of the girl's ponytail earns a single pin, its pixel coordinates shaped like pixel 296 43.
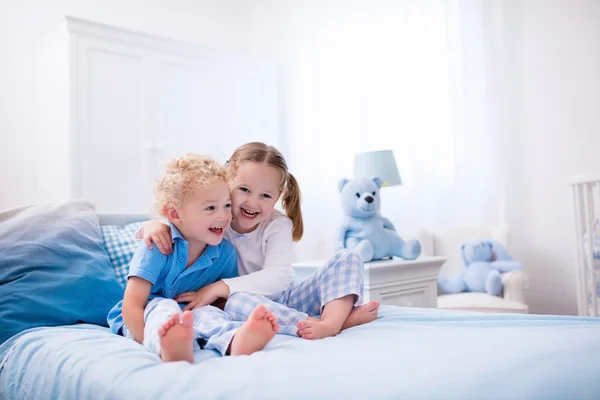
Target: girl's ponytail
pixel 291 205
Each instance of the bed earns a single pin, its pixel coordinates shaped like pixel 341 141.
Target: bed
pixel 407 353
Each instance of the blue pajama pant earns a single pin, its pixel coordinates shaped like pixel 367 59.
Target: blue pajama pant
pixel 341 276
pixel 214 329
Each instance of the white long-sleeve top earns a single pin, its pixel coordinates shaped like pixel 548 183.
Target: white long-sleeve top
pixel 265 257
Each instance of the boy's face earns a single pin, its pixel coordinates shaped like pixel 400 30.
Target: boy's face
pixel 204 216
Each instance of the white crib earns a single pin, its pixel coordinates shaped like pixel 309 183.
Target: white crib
pixel 586 197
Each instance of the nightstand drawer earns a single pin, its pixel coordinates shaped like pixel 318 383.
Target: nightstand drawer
pixel 409 297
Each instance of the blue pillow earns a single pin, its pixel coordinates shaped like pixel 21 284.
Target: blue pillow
pixel 53 268
pixel 121 245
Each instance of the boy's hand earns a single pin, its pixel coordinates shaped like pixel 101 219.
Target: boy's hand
pixel 158 233
pixel 203 297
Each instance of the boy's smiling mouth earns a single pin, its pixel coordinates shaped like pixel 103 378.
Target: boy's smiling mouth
pixel 217 230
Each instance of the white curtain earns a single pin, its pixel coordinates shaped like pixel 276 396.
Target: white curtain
pixel 411 76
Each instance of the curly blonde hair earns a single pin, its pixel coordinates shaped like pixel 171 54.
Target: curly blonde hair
pixel 185 175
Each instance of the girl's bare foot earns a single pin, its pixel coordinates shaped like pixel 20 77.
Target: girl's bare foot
pixel 256 332
pixel 362 315
pixel 316 329
pixel 176 338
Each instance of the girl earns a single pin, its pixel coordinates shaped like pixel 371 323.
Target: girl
pixel 321 305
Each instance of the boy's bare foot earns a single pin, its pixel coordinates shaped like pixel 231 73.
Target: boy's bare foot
pixel 362 315
pixel 316 329
pixel 256 332
pixel 176 338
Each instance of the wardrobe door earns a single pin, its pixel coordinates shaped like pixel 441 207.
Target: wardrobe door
pixel 187 110
pixel 110 118
pixel 212 105
pixel 249 99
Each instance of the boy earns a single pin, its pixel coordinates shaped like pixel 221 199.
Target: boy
pixel 194 197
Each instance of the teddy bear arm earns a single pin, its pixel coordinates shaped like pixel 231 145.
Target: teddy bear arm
pixel 387 224
pixel 340 242
pixel 507 265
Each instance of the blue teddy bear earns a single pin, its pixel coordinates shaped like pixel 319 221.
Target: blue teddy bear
pixel 364 230
pixel 485 261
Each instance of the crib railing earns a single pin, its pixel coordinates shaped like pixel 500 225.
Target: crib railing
pixel 586 198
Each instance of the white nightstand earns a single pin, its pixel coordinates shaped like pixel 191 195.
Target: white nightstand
pixel 397 282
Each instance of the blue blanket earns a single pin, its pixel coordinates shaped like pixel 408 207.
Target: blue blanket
pixel 408 353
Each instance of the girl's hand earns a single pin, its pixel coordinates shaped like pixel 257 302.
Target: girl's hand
pixel 158 233
pixel 203 297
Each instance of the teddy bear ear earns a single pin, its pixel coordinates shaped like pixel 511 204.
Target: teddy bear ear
pixel 341 183
pixel 378 181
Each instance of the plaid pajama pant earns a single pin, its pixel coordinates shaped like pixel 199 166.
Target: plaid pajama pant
pixel 213 328
pixel 341 276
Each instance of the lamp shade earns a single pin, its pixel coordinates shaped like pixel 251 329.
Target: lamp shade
pixel 381 164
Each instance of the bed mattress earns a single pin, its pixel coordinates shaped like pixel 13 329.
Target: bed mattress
pixel 408 353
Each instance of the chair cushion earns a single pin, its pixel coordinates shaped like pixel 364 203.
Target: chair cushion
pixel 482 302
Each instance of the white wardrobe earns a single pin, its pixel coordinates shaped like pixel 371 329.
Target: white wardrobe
pixel 112 105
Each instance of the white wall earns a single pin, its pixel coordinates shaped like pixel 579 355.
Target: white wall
pixel 550 125
pixel 219 24
pixel 553 133
pixel 355 80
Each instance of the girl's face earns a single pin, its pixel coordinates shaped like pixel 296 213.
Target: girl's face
pixel 254 193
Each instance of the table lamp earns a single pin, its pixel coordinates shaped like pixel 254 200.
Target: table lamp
pixel 381 164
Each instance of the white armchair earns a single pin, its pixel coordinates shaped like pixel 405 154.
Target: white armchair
pixel 447 243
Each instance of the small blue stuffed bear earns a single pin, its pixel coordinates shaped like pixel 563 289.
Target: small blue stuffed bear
pixel 364 230
pixel 485 260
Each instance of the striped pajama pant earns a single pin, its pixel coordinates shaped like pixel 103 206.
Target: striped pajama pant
pixel 341 276
pixel 214 329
